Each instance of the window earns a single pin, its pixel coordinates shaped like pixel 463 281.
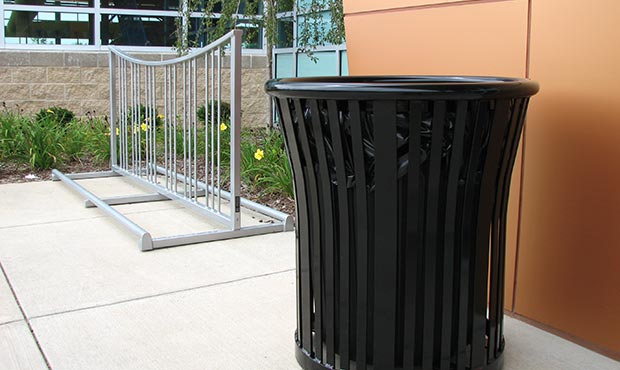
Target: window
pixel 96 23
pixel 295 30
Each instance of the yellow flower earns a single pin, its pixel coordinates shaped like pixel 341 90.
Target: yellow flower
pixel 259 154
pixel 107 134
pixel 223 127
pixel 50 111
pixel 118 132
pixel 160 116
pixel 144 126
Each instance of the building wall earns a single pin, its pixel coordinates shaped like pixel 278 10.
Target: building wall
pixel 563 257
pixel 569 256
pixel 79 81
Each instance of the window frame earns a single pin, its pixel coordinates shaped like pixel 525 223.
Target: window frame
pixel 98 12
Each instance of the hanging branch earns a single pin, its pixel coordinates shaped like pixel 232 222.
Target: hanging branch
pixel 314 29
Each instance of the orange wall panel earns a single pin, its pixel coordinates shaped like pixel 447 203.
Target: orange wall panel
pixel 569 256
pixel 357 6
pixel 479 38
pixel 568 271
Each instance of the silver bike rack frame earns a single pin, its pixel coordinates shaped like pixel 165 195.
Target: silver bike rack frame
pixel 189 167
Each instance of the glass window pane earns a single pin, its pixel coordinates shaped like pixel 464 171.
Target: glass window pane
pixel 285 33
pixel 284 65
pixel 325 64
pixel 252 34
pixel 344 63
pixel 137 31
pixel 250 7
pixel 313 30
pixel 47 28
pixel 306 6
pixel 77 3
pixel 141 4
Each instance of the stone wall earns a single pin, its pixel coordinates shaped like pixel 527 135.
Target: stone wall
pixel 79 81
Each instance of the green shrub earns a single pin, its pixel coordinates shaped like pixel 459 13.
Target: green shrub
pixel 224 112
pixel 146 114
pixel 97 139
pixel 45 142
pixel 264 163
pixel 75 136
pixel 44 139
pixel 12 145
pixel 59 115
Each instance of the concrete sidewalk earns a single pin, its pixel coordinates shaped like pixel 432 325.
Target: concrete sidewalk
pixel 76 293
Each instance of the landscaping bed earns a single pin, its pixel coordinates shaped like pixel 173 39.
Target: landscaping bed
pixel 30 146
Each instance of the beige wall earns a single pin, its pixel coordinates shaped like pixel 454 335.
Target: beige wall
pixel 563 252
pixel 79 81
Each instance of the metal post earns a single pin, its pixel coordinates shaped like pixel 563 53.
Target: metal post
pixel 235 128
pixel 113 107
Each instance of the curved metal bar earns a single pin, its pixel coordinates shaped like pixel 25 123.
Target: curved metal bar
pixel 195 54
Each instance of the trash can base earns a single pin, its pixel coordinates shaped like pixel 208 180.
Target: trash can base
pixel 307 362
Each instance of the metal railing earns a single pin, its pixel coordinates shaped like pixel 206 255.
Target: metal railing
pixel 171 132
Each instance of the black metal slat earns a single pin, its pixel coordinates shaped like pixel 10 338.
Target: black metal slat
pixel 414 234
pixel 303 259
pixel 326 209
pixel 343 231
pixel 430 218
pixel 485 208
pixel 315 230
pixel 385 234
pixel 361 236
pixel 477 307
pixel 456 160
pixel 519 112
pixel 498 236
pixel 281 113
pixel 463 359
pixel 431 242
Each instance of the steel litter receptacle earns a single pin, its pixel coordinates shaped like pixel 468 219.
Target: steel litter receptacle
pixel 401 186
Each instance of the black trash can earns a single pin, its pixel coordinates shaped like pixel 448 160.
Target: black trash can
pixel 401 185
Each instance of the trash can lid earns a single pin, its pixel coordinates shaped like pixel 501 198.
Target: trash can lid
pixel 402 87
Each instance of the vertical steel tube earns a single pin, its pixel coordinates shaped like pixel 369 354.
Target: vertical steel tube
pixel 113 108
pixel 154 124
pixel 206 104
pixel 132 85
pixel 119 119
pixel 146 121
pixel 212 104
pixel 219 125
pixel 175 129
pixel 184 128
pixel 235 129
pixel 124 119
pixel 195 126
pixel 165 124
pixel 139 117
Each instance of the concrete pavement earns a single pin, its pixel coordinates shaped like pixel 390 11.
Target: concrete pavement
pixel 76 293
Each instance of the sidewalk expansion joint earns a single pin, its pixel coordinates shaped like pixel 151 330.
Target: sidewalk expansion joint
pixel 172 292
pixel 21 309
pixel 10 322
pixel 96 217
